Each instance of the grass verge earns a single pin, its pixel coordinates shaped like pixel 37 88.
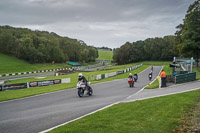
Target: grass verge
pixel 156 115
pixel 191 122
pixel 197 70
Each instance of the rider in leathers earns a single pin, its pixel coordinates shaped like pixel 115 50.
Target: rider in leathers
pixel 83 79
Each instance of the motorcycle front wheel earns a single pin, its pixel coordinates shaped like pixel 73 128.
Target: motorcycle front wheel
pixel 80 92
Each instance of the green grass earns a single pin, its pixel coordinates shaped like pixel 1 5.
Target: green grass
pixel 105 55
pixel 154 85
pixel 14 94
pixel 10 64
pixel 198 72
pixel 156 115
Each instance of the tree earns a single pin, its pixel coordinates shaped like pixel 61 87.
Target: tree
pixel 188 37
pixel 42 46
pixel 149 49
pixel 124 54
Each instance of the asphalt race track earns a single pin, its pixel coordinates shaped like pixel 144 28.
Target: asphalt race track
pixel 38 113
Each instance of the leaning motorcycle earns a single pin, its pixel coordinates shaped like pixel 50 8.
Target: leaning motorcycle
pixel 83 89
pixel 130 82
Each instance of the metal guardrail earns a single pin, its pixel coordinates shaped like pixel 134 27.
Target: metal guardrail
pixel 102 76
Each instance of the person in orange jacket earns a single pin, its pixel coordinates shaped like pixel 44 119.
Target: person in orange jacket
pixel 163 74
pixel 163 78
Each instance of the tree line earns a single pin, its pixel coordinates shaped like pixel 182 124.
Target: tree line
pixel 185 43
pixel 149 49
pixel 43 47
pixel 104 48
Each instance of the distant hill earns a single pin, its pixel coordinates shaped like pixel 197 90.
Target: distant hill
pixel 104 48
pixel 43 46
pixel 105 55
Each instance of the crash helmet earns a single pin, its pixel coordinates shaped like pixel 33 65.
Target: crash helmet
pixel 130 74
pixel 80 75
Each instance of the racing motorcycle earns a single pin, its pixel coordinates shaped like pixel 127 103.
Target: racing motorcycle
pixel 83 89
pixel 135 78
pixel 150 76
pixel 130 82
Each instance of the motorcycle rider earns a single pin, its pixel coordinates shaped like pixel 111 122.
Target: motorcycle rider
pixel 83 79
pixel 130 75
pixel 135 76
pixel 150 75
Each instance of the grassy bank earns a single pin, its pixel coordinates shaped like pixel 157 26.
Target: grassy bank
pixel 10 64
pixel 105 55
pixel 156 115
pixel 13 65
pixel 14 94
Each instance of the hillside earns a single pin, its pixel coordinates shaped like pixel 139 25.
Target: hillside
pixel 105 55
pixel 12 65
pixel 43 46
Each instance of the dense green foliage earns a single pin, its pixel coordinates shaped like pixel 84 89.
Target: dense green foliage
pixel 149 49
pixel 43 47
pixel 155 115
pixel 105 55
pixel 104 48
pixel 188 34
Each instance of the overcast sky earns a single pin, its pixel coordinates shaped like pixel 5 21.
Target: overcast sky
pixel 108 23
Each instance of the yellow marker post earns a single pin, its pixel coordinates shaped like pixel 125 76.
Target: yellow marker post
pixel 158 77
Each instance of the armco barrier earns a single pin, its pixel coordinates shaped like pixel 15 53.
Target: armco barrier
pixel 120 72
pixel 98 77
pixel 33 84
pixel 102 76
pixel 111 74
pixel 106 75
pixel 185 77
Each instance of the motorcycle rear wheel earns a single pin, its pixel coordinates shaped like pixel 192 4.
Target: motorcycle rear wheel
pixel 90 91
